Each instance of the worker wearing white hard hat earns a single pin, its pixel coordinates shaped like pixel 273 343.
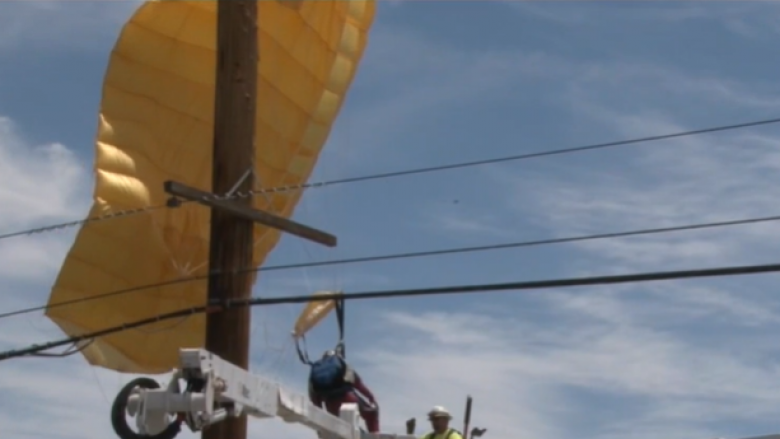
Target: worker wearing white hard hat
pixel 440 422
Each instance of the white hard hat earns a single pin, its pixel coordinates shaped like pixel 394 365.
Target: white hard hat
pixel 439 412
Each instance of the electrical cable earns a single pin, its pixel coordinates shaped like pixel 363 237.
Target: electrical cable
pixel 68 224
pixel 407 172
pixel 405 255
pixel 222 305
pixel 73 350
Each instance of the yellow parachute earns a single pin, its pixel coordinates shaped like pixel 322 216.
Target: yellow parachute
pixel 155 124
pixel 314 312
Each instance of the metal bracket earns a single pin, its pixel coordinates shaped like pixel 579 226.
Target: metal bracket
pixel 243 178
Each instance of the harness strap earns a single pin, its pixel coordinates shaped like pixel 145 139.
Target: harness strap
pixel 340 321
pixel 303 354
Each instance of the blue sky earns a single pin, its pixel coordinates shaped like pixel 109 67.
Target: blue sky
pixel 446 82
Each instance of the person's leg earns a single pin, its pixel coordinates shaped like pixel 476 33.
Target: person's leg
pixel 369 413
pixel 333 406
pixel 370 416
pixel 372 419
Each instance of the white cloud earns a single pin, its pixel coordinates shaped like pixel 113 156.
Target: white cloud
pixel 451 219
pixel 523 375
pixel 695 179
pixel 619 74
pixel 38 186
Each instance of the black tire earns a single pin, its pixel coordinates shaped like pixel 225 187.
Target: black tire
pixel 119 422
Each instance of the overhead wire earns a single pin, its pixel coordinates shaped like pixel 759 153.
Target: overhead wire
pixel 404 255
pixel 226 304
pixel 68 224
pixel 74 349
pixel 407 172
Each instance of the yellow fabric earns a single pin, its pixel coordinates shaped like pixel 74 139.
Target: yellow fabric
pixel 155 123
pixel 313 314
pixel 432 435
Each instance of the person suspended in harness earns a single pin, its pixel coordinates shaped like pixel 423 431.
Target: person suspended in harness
pixel 440 422
pixel 333 382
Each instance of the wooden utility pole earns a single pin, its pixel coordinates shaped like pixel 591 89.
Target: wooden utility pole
pixel 232 220
pixel 235 106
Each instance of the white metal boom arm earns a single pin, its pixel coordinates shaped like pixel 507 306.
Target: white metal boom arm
pixel 217 389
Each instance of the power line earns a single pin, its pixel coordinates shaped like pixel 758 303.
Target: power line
pixel 68 224
pixel 223 305
pixel 553 152
pixel 424 170
pixel 406 255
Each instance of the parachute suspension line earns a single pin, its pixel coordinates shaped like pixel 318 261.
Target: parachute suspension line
pixel 300 336
pixel 340 349
pixel 347 146
pixel 268 345
pixel 303 354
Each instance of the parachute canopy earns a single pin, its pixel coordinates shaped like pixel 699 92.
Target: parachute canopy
pixel 313 313
pixel 155 124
